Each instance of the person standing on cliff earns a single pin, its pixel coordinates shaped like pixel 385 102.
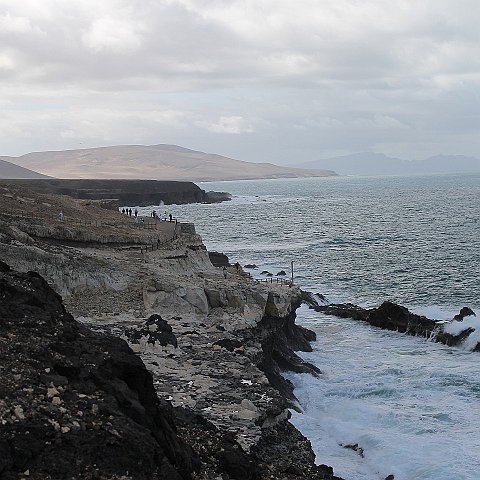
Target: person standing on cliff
pixel 136 212
pixel 170 216
pixel 225 272
pixel 61 216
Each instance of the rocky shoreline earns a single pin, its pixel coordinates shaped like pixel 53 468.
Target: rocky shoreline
pixel 211 403
pixel 391 316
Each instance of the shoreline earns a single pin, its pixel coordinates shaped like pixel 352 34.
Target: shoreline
pixel 217 349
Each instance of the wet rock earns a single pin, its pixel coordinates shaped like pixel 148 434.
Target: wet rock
pixel 395 317
pixel 279 338
pixel 281 273
pixel 355 448
pixel 250 266
pixel 464 312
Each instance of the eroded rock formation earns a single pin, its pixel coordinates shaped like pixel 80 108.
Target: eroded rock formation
pixel 391 316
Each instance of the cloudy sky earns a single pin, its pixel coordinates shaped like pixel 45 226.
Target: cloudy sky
pixel 259 80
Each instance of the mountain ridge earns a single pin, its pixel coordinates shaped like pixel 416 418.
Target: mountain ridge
pixel 155 162
pixel 372 163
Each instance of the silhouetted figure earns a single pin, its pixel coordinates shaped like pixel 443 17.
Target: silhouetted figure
pixel 237 266
pixel 225 272
pixel 123 210
pixel 60 216
pixel 136 212
pixel 130 212
pixel 170 216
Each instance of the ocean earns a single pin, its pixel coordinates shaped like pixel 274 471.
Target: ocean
pixel 411 407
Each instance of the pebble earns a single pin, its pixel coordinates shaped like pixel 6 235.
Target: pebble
pixel 18 410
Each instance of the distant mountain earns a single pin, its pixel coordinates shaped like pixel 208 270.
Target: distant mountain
pixel 369 163
pixel 9 170
pixel 155 162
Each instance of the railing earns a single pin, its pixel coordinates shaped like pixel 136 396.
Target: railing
pixel 280 281
pixel 160 243
pixel 130 222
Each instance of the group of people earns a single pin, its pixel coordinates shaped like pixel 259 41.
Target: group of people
pixel 154 214
pixel 128 211
pixel 163 218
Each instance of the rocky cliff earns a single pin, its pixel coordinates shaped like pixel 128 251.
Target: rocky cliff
pixel 127 192
pixel 214 347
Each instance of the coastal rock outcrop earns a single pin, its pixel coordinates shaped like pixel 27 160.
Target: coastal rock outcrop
pixel 126 192
pixel 391 316
pixel 215 347
pixel 218 259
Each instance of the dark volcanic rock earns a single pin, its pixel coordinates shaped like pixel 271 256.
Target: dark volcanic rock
pixel 156 330
pixel 217 197
pixel 74 404
pixel 388 315
pixel 279 338
pixel 127 192
pixel 391 316
pixel 464 312
pixel 292 450
pixel 218 259
pixel 229 344
pixel 250 266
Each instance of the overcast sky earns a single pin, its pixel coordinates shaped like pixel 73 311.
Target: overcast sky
pixel 284 81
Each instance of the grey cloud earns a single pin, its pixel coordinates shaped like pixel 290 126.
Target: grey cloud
pixel 264 80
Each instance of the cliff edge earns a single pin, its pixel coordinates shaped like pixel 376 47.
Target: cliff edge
pixel 214 343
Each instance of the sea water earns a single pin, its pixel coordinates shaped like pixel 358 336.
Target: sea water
pixel 410 407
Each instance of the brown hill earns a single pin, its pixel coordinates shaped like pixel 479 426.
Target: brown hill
pixel 9 170
pixel 165 162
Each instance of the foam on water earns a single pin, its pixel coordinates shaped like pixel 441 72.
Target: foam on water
pixel 411 408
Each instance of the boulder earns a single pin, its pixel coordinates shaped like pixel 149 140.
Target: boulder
pixel 196 297
pixel 216 297
pixel 218 259
pixel 155 331
pixel 464 312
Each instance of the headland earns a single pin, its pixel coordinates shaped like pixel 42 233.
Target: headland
pixel 125 192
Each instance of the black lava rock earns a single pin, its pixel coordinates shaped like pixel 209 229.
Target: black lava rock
pixel 73 403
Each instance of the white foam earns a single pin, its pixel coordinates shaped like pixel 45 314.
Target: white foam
pixel 456 328
pixel 405 401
